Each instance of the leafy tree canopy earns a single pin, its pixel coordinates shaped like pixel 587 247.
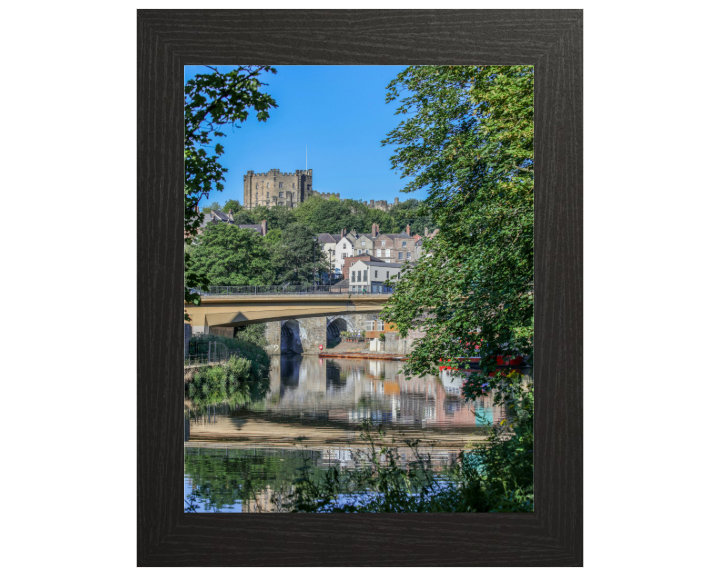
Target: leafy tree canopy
pixel 214 206
pixel 233 205
pixel 298 258
pixel 467 137
pixel 212 101
pixel 229 256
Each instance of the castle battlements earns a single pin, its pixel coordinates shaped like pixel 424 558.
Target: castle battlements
pixel 275 188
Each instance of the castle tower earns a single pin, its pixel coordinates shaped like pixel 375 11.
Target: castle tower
pixel 275 188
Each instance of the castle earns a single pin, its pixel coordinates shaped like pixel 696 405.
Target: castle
pixel 275 188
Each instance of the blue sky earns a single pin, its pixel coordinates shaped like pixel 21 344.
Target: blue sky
pixel 339 112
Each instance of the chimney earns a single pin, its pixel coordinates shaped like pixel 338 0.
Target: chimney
pixel 407 229
pixel 263 225
pixel 425 230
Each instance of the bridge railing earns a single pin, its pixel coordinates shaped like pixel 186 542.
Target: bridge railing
pixel 326 290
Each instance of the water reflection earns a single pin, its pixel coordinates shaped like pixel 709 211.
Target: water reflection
pixel 311 410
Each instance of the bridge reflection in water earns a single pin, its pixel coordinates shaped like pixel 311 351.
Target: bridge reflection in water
pixel 313 410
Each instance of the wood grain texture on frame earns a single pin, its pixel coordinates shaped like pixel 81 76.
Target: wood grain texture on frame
pixel 551 40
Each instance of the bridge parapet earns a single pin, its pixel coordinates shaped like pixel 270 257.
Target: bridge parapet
pixel 323 290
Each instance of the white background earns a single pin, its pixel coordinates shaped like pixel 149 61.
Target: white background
pixel 651 284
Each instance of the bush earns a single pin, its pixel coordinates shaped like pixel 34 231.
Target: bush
pixel 496 476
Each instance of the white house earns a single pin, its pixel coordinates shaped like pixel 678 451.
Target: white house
pixel 369 277
pixel 343 249
pixel 329 248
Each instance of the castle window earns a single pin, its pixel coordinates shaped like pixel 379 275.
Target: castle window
pixel 280 194
pixel 268 185
pixel 257 186
pixel 280 184
pixel 293 185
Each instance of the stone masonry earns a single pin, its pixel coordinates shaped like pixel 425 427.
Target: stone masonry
pixel 275 188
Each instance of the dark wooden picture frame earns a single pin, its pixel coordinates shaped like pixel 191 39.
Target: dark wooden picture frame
pixel 551 40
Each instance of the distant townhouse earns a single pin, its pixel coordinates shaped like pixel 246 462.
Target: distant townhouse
pixel 368 276
pixel 390 248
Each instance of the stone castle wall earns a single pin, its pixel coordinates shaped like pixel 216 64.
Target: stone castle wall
pixel 275 188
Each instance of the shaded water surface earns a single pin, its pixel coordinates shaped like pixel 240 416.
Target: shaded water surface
pixel 239 454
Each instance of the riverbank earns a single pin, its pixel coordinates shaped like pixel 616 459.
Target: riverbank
pixel 364 355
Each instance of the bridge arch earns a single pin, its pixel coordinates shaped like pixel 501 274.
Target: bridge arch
pixel 290 337
pixel 337 324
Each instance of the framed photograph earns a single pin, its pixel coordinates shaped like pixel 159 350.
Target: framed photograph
pixel 346 308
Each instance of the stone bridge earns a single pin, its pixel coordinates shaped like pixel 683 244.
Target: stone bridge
pixel 297 323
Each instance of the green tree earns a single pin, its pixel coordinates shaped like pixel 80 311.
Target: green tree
pixel 414 213
pixel 240 215
pixel 214 206
pixel 277 217
pixel 468 139
pixel 297 255
pixel 233 205
pixel 212 101
pixel 229 256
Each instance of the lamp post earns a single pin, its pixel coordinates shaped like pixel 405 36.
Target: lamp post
pixel 314 242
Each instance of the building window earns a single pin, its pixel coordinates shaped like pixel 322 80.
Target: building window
pixel 293 185
pixel 257 186
pixel 387 275
pixel 280 194
pixel 400 255
pixel 379 252
pixel 362 243
pixel 364 275
pixel 366 251
pixel 383 243
pixel 404 244
pixel 280 186
pixel 375 273
pixel 387 253
pixel 353 276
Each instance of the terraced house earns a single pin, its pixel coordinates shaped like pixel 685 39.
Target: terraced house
pixel 390 248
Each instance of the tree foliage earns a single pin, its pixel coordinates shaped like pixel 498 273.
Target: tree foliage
pixel 332 215
pixel 468 139
pixel 227 255
pixel 230 256
pixel 212 101
pixel 298 258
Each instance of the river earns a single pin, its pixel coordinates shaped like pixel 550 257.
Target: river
pixel 310 412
